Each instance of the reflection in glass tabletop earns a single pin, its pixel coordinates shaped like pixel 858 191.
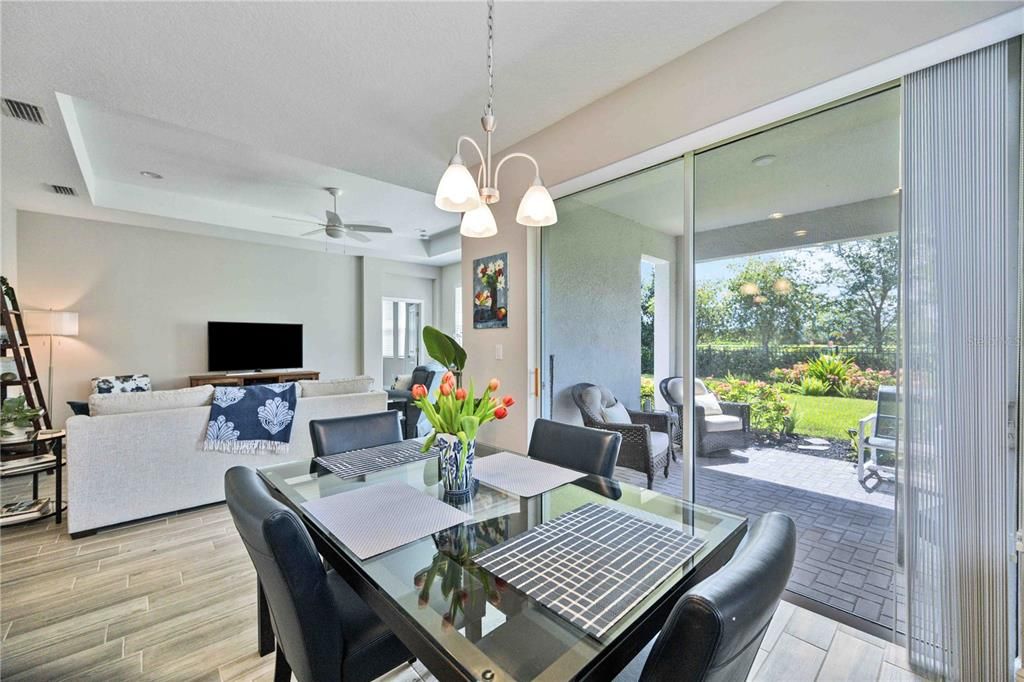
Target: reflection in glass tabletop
pixel 490 629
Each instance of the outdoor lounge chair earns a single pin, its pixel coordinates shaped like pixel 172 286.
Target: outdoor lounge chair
pixel 721 425
pixel 878 432
pixel 646 440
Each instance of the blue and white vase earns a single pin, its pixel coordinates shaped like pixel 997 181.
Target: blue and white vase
pixel 456 479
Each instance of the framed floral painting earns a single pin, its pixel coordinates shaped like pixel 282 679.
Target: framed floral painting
pixel 490 292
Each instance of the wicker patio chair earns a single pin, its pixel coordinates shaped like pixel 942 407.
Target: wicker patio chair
pixel 717 432
pixel 646 439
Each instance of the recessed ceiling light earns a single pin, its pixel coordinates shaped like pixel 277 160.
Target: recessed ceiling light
pixel 151 175
pixel 776 215
pixel 799 233
pixel 766 160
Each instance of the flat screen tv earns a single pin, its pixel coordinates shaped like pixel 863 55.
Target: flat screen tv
pixel 238 346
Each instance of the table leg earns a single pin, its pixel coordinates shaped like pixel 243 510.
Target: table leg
pixel 58 449
pixel 35 486
pixel 265 633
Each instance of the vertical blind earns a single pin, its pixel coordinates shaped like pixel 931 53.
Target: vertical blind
pixel 961 187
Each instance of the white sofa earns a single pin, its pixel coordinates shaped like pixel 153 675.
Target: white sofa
pixel 123 467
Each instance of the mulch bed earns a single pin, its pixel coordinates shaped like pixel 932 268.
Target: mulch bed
pixel 837 449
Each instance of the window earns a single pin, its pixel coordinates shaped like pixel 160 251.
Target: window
pixel 388 328
pixel 401 328
pixel 457 332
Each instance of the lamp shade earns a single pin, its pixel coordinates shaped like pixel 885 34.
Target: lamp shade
pixel 536 208
pixel 478 223
pixel 457 191
pixel 51 323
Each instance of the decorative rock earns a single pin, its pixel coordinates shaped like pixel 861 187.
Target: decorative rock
pixel 818 448
pixel 817 441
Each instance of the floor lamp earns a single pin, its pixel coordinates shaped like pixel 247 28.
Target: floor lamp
pixel 50 323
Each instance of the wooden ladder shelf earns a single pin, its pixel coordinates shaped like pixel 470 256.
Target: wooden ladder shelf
pixel 17 344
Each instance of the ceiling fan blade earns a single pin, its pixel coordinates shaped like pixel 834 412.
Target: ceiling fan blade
pixel 369 228
pixel 334 219
pixel 358 237
pixel 298 220
pixel 306 234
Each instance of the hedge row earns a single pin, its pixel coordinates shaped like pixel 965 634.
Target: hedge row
pixel 754 363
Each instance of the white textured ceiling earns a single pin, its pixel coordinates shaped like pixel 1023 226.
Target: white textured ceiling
pixel 838 157
pixel 380 90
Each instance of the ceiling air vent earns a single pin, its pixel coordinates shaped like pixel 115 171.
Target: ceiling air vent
pixel 23 111
pixel 65 190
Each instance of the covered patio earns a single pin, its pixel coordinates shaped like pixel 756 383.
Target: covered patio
pixel 846 530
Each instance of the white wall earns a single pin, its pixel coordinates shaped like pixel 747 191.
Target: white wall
pixel 592 301
pixel 144 296
pixel 395 280
pixel 779 53
pixel 9 243
pixel 451 278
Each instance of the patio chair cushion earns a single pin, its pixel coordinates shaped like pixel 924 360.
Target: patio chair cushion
pixel 710 404
pixel 659 443
pixel 615 414
pixel 677 389
pixel 881 443
pixel 722 422
pixel 592 400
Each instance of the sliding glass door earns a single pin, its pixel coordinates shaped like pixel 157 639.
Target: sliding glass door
pixel 796 274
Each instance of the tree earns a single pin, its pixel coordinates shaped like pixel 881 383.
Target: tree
pixel 867 276
pixel 769 301
pixel 711 312
pixel 647 325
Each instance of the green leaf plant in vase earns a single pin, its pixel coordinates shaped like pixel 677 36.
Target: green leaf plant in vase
pixel 456 415
pixel 17 418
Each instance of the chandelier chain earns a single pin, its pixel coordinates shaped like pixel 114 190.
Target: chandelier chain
pixel 490 57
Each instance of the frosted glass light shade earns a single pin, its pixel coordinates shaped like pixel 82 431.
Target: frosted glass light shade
pixel 51 323
pixel 536 208
pixel 478 223
pixel 457 191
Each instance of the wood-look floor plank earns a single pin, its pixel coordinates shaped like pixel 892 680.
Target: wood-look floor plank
pixel 246 667
pixel 30 652
pixel 128 668
pixel 59 665
pixel 851 659
pixel 791 659
pixel 57 628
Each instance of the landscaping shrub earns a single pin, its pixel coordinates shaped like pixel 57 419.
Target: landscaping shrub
pixel 858 383
pixel 812 386
pixel 768 407
pixel 832 370
pixel 646 393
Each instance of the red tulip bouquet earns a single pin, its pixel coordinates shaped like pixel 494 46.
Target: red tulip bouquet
pixel 456 415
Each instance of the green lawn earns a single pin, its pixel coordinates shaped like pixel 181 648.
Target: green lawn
pixel 828 417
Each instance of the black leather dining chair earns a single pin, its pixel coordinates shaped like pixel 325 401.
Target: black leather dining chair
pixel 714 631
pixel 341 434
pixel 579 448
pixel 324 630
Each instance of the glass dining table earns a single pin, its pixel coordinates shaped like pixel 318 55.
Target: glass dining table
pixel 463 623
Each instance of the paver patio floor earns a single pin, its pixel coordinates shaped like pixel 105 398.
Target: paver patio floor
pixel 845 531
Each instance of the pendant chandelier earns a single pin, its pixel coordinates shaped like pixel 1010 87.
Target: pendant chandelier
pixel 458 192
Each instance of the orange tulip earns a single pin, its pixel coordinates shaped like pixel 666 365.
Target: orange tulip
pixel 508 401
pixel 446 389
pixel 448 378
pixel 460 394
pixel 419 391
pixel 494 384
pixel 500 413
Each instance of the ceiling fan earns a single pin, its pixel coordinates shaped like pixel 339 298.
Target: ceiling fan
pixel 335 228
